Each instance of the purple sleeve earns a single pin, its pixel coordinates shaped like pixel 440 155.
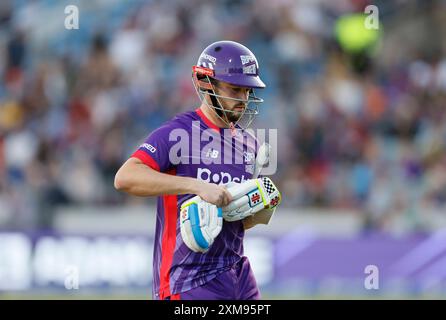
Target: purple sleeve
pixel 154 152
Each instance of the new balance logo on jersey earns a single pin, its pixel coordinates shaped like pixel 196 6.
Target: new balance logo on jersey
pixel 218 178
pixel 212 153
pixel 149 147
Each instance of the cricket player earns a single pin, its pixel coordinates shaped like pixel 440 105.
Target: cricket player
pixel 200 164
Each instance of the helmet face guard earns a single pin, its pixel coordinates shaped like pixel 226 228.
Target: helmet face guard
pixel 232 63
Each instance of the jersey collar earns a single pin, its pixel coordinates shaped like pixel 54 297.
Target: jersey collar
pixel 206 120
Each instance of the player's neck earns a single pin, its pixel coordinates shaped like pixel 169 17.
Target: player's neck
pixel 212 116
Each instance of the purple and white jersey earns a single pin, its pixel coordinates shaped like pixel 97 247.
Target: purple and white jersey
pixel 190 145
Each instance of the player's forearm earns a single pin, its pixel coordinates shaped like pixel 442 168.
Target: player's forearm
pixel 140 180
pixel 261 217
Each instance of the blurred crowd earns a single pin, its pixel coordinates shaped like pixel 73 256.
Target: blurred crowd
pixel 363 130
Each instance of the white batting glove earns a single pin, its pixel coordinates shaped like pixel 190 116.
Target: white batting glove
pixel 200 224
pixel 251 197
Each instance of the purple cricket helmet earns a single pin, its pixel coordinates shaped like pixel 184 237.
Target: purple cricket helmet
pixel 232 63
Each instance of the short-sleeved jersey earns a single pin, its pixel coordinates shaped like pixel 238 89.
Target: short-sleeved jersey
pixel 190 145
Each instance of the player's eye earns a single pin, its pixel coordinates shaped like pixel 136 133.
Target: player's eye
pixel 238 90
